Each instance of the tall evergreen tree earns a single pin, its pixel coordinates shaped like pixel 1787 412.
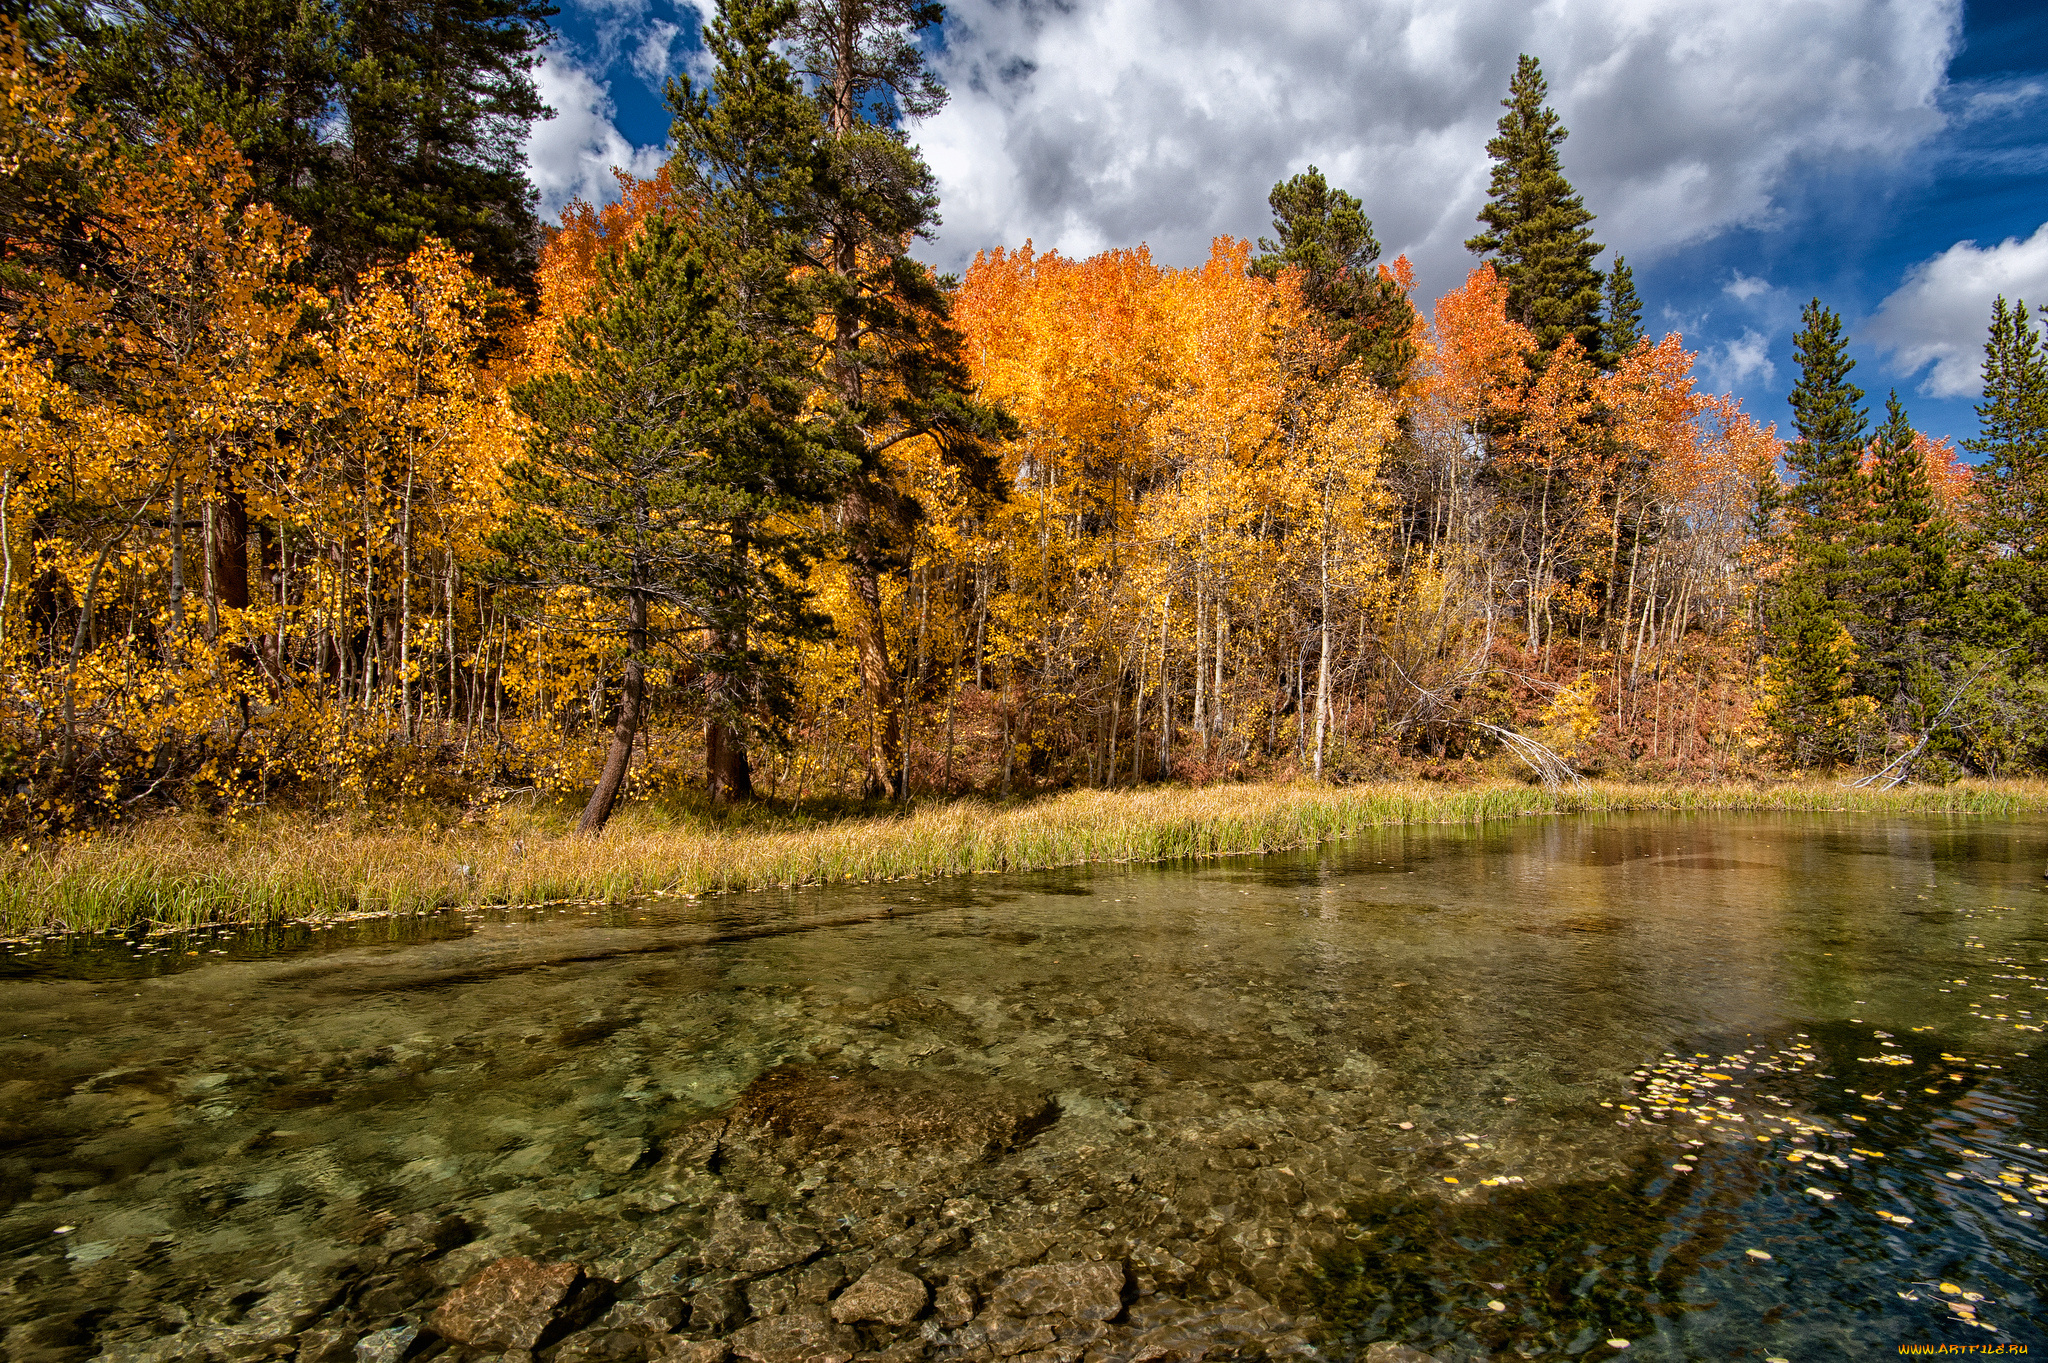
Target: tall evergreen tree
pixel 891 361
pixel 265 72
pixel 1324 233
pixel 1904 573
pixel 1624 324
pixel 1825 460
pixel 750 151
pixel 1814 617
pixel 2011 523
pixel 665 475
pixel 376 123
pixel 1539 234
pixel 437 96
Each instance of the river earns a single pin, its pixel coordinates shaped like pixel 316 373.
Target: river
pixel 1674 1088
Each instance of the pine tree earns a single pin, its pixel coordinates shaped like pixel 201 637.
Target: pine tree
pixel 1538 230
pixel 1810 671
pixel 437 97
pixel 2011 524
pixel 1904 571
pixel 665 476
pixel 1827 492
pixel 1325 234
pixel 376 123
pixel 1806 687
pixel 892 364
pixel 1624 324
pixel 262 71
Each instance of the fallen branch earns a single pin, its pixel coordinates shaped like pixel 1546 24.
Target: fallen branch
pixel 1896 771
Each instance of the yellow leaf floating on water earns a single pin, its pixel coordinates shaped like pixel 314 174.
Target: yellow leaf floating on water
pixel 1617 1344
pixel 1756 1254
pixel 1449 1179
pixel 1951 1289
pixel 1496 1306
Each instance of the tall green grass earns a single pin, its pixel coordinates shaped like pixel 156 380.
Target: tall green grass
pixel 184 870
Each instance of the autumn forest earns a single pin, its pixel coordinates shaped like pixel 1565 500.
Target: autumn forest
pixel 329 474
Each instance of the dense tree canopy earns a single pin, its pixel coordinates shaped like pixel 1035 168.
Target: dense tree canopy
pixel 376 123
pixel 752 501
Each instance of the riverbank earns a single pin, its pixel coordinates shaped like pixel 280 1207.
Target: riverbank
pixel 183 869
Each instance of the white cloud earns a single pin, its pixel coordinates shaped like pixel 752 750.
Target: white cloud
pixel 651 59
pixel 1939 314
pixel 1109 122
pixel 571 155
pixel 1734 363
pixel 1745 287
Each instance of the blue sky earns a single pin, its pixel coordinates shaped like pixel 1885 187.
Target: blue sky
pixel 1888 156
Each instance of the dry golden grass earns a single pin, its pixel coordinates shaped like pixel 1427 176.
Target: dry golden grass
pixel 182 869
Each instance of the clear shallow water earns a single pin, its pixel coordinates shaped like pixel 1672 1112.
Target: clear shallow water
pixel 1387 1086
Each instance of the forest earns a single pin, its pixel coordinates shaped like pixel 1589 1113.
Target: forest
pixel 331 475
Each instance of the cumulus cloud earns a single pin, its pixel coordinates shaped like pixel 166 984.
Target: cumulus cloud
pixel 571 156
pixel 1939 314
pixel 1734 363
pixel 652 61
pixel 1090 123
pixel 1745 287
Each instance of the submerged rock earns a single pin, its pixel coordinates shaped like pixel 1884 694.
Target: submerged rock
pixel 1091 1291
pixel 716 1308
pixel 385 1346
pixel 805 1335
pixel 755 1247
pixel 954 1304
pixel 884 1294
pixel 616 1156
pixel 506 1304
pixel 893 1110
pixel 1388 1351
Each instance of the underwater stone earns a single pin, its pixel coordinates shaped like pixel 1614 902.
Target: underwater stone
pixel 617 1156
pixel 817 1283
pixel 761 1247
pixel 327 1346
pixel 954 1304
pixel 885 1294
pixel 386 1346
pixel 674 1350
pixel 805 1335
pixel 652 1316
pixel 1084 1291
pixel 1388 1351
pixel 717 1308
pixel 506 1304
pixel 893 1110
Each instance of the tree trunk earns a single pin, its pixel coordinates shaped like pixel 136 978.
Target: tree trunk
pixel 878 683
pixel 405 609
pixel 6 553
pixel 177 559
pixel 1201 719
pixel 1323 654
pixel 730 775
pixel 231 548
pixel 1165 695
pixel 632 692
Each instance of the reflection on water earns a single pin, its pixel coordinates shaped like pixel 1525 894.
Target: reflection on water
pixel 1718 1087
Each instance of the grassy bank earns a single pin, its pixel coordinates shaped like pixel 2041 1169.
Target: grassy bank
pixel 188 870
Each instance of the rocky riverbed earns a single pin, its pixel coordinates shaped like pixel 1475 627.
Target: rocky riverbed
pixel 843 1212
